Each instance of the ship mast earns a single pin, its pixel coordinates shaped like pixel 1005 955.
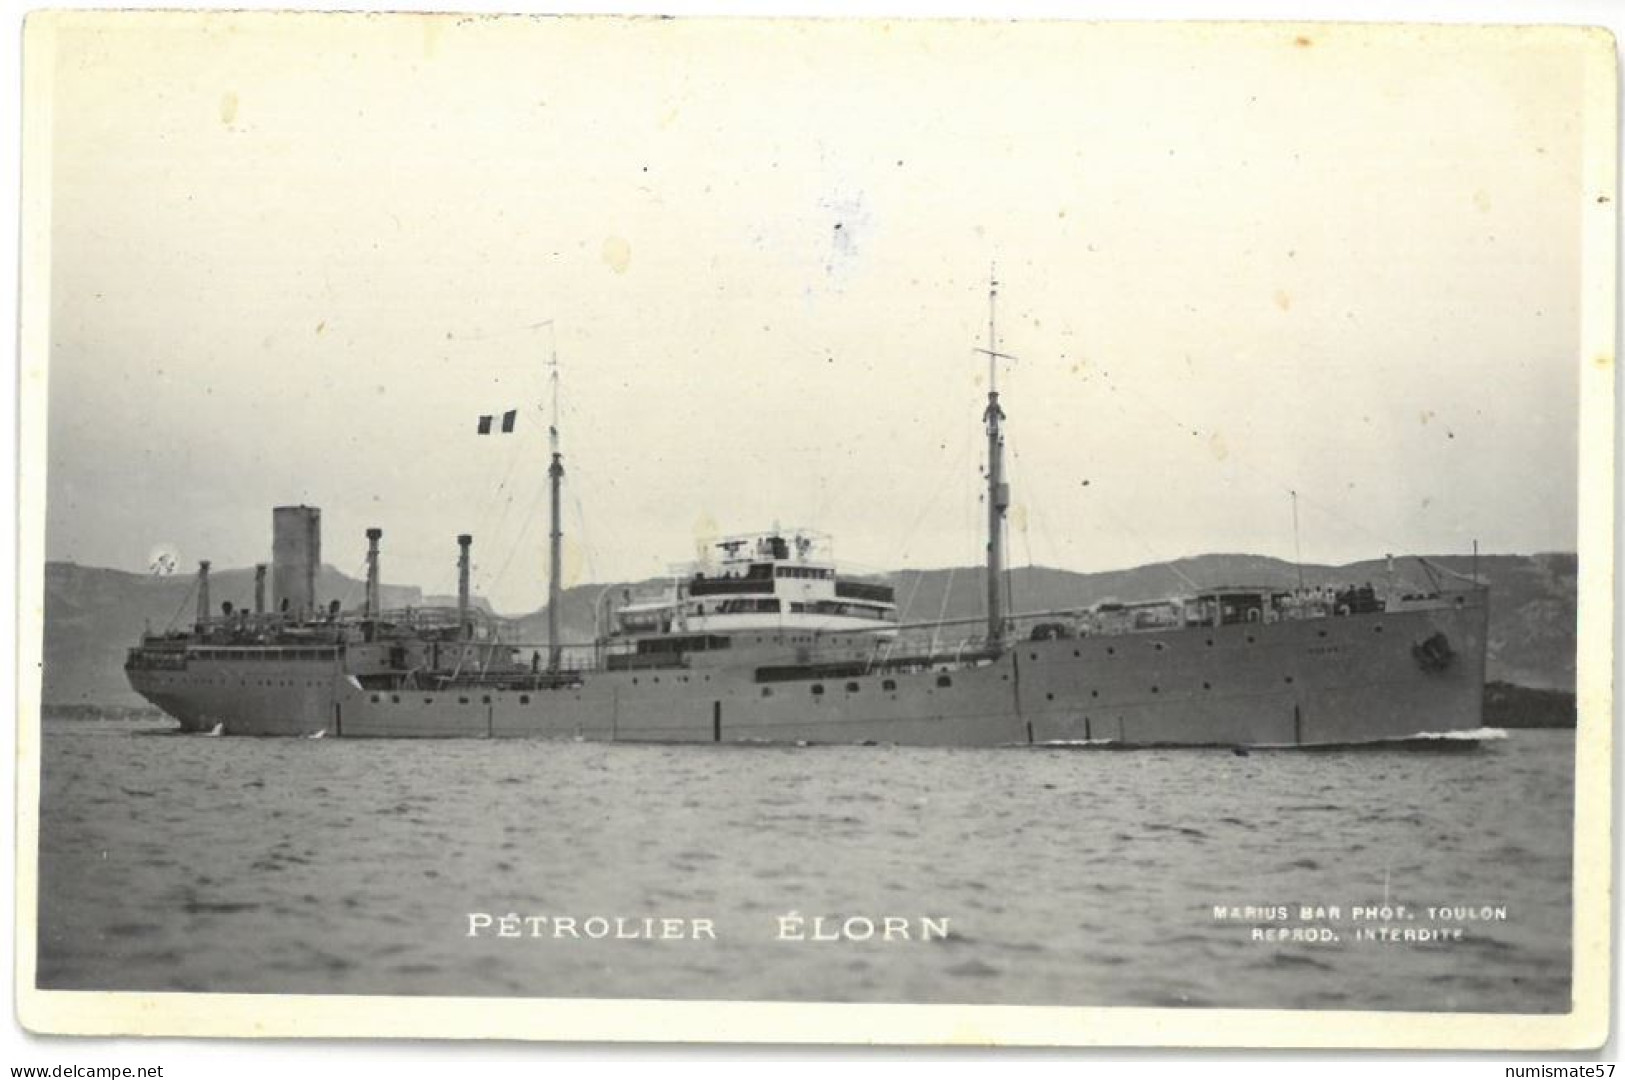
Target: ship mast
pixel 555 478
pixel 998 491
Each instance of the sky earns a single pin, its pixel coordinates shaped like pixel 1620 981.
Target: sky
pixel 293 259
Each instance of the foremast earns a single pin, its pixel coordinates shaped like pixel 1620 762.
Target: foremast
pixel 998 490
pixel 555 573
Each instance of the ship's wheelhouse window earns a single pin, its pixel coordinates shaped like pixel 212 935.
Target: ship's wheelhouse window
pixel 943 680
pixel 486 700
pixel 524 699
pixel 462 701
pixel 851 687
pixel 818 688
pixel 889 684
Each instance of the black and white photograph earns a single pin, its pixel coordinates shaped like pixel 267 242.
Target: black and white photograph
pixel 537 524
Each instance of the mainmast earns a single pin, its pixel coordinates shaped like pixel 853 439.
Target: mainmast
pixel 555 478
pixel 998 491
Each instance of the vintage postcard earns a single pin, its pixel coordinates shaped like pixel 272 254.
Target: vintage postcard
pixel 599 528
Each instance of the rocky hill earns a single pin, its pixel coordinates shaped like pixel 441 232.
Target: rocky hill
pixel 92 615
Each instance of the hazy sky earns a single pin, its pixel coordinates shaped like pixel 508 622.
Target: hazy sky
pixel 294 259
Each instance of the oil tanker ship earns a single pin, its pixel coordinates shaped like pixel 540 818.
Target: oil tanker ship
pixel 765 640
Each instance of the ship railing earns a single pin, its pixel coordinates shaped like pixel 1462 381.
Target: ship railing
pixel 573 655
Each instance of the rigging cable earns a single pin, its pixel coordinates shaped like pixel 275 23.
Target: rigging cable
pixel 1269 478
pixel 175 618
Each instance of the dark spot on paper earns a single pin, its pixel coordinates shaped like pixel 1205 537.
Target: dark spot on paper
pixel 1303 42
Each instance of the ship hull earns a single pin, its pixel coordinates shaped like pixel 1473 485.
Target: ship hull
pixel 1348 680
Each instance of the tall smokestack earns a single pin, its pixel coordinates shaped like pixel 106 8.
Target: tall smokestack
pixel 463 543
pixel 296 553
pixel 259 588
pixel 202 593
pixel 373 536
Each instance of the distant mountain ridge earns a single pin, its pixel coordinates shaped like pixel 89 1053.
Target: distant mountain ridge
pixel 92 615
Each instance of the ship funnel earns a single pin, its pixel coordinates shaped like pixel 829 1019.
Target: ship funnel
pixel 259 588
pixel 463 543
pixel 296 553
pixel 202 593
pixel 373 536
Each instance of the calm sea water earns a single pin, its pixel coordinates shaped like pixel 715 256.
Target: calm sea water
pixel 1068 877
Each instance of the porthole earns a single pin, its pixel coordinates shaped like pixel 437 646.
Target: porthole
pixel 1094 693
pixel 394 699
pixel 524 699
pixel 1154 690
pixel 1157 645
pixel 1207 686
pixel 1377 629
pixel 428 701
pixel 1210 642
pixel 851 687
pixel 486 700
pixel 1250 639
pixel 1320 633
pixel 1289 678
pixel 375 699
pixel 1033 655
pixel 462 701
pixel 943 680
pixel 889 684
pixel 1049 697
pixel 818 688
pixel 1110 651
pixel 767 691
